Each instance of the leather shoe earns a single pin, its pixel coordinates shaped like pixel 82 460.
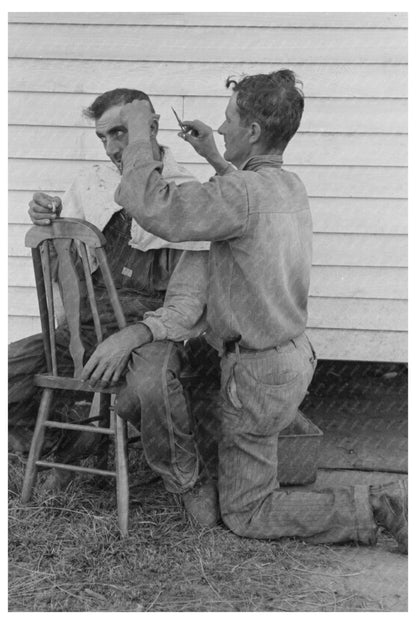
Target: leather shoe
pixel 201 504
pixel 389 504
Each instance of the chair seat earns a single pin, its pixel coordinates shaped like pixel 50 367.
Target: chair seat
pixel 71 383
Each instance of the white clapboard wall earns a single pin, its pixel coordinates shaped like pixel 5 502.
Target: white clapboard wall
pixel 351 150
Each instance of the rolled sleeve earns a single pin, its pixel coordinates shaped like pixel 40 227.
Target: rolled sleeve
pixel 183 314
pixel 214 210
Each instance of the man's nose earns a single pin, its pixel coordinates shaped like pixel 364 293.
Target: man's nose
pixel 112 148
pixel 220 129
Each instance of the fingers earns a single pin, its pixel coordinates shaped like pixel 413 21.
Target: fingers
pixel 98 377
pixel 57 204
pixel 102 372
pixel 43 208
pixel 89 367
pixel 198 127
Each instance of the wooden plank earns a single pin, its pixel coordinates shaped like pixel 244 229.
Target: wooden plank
pixel 23 301
pixel 324 312
pixel 369 250
pixel 359 282
pixel 192 79
pixel 329 249
pixel 366 346
pixel 354 215
pixel 321 114
pixel 207 44
pixel 350 282
pixel 18 206
pixel 299 19
pixel 56 176
pixel 329 214
pixel 22 326
pixel 349 313
pixel 320 181
pixel 65 109
pixel 16 240
pixel 304 149
pixel 20 272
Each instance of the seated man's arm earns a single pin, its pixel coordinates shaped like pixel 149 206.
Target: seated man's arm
pixel 182 317
pixel 183 313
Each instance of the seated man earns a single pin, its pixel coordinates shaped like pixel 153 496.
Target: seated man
pixel 141 265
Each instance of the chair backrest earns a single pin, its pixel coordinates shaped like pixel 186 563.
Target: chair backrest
pixel 55 243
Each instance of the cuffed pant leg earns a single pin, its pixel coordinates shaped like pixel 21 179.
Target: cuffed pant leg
pixel 153 400
pixel 27 358
pixel 252 504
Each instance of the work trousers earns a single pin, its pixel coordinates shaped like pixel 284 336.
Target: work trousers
pixel 152 399
pixel 260 396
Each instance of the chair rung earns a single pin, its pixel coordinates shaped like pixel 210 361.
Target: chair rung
pixel 98 471
pixel 61 425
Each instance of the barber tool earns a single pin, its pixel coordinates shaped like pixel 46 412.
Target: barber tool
pixel 184 128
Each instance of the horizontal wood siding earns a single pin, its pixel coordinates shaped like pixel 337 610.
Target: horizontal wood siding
pixel 351 149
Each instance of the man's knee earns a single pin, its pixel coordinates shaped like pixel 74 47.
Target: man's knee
pixel 146 384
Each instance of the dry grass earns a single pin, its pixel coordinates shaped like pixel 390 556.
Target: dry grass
pixel 65 554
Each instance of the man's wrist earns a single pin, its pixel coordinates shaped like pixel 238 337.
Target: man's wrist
pixel 139 334
pixel 149 332
pixel 220 165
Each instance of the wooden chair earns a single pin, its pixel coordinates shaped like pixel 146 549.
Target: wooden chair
pixel 62 234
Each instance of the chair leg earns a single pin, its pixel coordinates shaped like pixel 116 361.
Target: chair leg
pixel 122 483
pixel 36 445
pixel 102 404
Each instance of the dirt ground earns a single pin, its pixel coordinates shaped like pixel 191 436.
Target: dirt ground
pixel 65 553
pixel 362 409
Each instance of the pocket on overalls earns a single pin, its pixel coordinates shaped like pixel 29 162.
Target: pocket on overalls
pixel 231 390
pixel 269 407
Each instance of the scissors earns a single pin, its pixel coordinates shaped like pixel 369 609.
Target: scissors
pixel 182 127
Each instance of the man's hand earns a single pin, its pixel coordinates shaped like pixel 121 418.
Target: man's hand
pixel 201 137
pixel 108 362
pixel 138 119
pixel 43 208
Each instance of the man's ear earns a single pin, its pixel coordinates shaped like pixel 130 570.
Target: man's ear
pixel 255 132
pixel 154 127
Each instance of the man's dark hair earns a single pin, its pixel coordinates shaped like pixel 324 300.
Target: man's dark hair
pixel 116 97
pixel 274 101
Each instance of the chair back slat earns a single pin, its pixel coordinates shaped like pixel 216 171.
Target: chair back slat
pixel 46 265
pixel 111 289
pixel 43 309
pixel 90 291
pixel 63 233
pixel 71 299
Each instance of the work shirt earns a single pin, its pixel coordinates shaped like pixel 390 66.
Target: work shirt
pixel 259 222
pixel 141 263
